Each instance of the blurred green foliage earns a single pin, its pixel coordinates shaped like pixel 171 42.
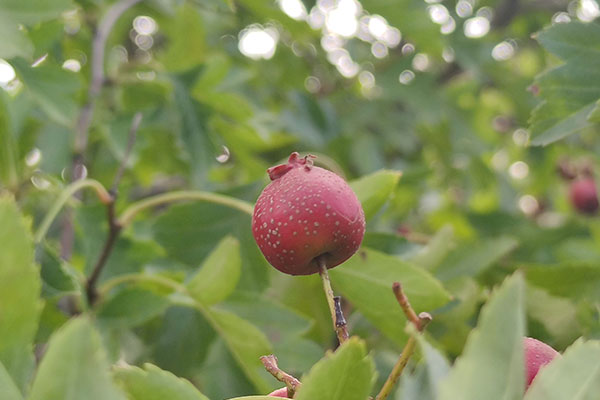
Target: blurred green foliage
pixel 454 121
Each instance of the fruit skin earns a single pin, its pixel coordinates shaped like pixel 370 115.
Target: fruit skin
pixel 304 213
pixel 279 393
pixel 584 195
pixel 537 354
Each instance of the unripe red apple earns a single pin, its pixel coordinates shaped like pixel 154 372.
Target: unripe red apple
pixel 306 212
pixel 279 393
pixel 584 195
pixel 537 354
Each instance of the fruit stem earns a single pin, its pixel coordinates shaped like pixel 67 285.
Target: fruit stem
pixel 270 363
pixel 183 195
pixel 337 316
pixel 420 322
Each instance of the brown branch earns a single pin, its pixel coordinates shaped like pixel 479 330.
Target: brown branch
pixel 292 384
pixel 114 227
pixel 84 120
pixel 337 316
pixel 113 233
pixel 97 70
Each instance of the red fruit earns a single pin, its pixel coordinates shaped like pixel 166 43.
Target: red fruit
pixel 584 195
pixel 279 393
pixel 537 354
pixel 304 213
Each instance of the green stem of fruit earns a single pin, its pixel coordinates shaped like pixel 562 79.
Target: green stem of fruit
pixel 339 323
pixel 64 196
pixel 184 195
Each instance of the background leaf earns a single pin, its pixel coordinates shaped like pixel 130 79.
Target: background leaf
pixel 75 351
pixel 19 284
pixel 346 374
pixel 374 190
pixel 219 273
pixel 491 366
pixel 367 280
pixel 569 91
pixel 152 383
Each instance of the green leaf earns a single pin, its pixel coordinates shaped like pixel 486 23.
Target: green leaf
pixel 8 389
pixel 75 366
pixel 436 365
pixel 366 280
pixel 204 225
pixel 570 91
pixel 573 280
pixel 14 42
pixel 153 383
pixel 575 376
pixel 52 88
pixel 131 307
pixel 9 154
pixel 20 288
pixel 375 189
pixel 187 45
pixel 594 115
pixel 219 274
pixel 491 366
pixel 346 374
pixel 246 343
pixel 474 258
pixel 432 254
pixel 183 339
pixel 31 12
pixel 220 366
pixel 273 318
pixel 423 383
pixel 557 315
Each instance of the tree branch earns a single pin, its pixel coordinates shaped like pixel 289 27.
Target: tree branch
pixel 114 227
pixel 270 363
pixel 420 322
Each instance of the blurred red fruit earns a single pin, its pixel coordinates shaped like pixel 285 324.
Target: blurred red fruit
pixel 537 354
pixel 584 195
pixel 279 393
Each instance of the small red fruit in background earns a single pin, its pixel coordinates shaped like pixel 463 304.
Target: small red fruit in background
pixel 279 393
pixel 306 212
pixel 584 195
pixel 537 354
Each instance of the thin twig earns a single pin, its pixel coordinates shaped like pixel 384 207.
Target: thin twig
pixel 84 120
pixel 114 227
pixel 420 322
pixel 292 384
pixel 135 125
pixel 113 232
pixel 337 316
pixel 407 352
pixel 405 304
pixel 97 70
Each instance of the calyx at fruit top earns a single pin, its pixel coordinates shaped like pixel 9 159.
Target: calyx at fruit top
pixel 295 161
